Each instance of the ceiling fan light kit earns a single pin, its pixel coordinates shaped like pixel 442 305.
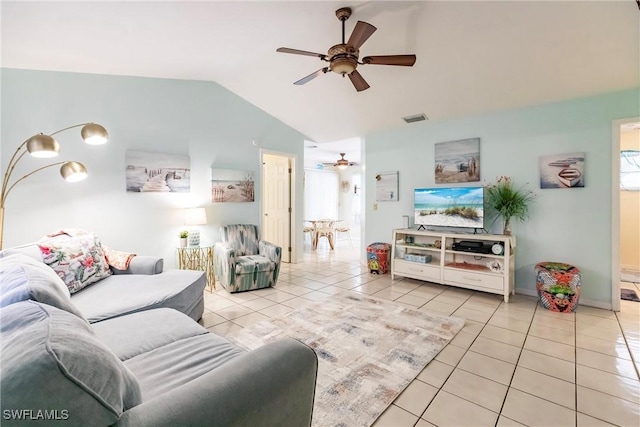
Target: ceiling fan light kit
pixel 342 163
pixel 343 58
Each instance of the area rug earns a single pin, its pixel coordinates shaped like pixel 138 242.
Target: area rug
pixel 368 351
pixel 629 295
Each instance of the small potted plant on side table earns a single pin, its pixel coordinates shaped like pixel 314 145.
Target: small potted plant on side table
pixel 183 238
pixel 506 201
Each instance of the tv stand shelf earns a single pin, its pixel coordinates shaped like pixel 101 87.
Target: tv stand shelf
pixel 469 268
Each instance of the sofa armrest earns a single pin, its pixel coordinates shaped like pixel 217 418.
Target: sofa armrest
pixel 142 265
pixel 224 263
pixel 269 250
pixel 273 385
pixel 272 252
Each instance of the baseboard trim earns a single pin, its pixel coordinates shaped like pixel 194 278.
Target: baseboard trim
pixel 585 302
pixel 527 292
pixel 595 304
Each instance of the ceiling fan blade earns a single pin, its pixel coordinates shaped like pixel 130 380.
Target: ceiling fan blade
pixel 403 60
pixel 301 52
pixel 360 34
pixel 358 81
pixel 311 76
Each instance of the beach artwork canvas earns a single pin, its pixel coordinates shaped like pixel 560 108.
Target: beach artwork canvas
pixel 387 187
pixel 457 161
pixel 562 171
pixel 230 185
pixel 157 172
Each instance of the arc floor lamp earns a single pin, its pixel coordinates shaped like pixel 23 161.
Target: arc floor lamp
pixel 45 146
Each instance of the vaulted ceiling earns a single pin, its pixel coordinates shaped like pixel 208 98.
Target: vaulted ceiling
pixel 473 57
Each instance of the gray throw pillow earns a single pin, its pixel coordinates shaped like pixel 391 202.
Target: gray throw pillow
pixel 53 366
pixel 24 278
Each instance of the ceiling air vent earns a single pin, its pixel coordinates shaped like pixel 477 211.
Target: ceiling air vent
pixel 415 118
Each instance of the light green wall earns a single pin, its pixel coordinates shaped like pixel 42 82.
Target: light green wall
pixel 201 119
pixel 572 226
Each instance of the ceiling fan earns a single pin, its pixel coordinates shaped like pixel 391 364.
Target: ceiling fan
pixel 343 57
pixel 341 163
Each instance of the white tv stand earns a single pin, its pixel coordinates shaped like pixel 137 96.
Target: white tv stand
pixel 471 270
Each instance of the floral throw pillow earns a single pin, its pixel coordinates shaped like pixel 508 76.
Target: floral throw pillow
pixel 79 259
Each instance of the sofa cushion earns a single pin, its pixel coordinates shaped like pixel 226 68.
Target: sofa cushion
pixel 179 362
pixel 32 250
pixel 52 361
pixel 253 264
pixel 129 293
pixel 137 333
pixel 24 278
pixel 79 259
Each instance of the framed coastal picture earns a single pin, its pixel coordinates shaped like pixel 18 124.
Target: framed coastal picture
pixel 562 170
pixel 457 161
pixel 230 185
pixel 387 187
pixel 157 172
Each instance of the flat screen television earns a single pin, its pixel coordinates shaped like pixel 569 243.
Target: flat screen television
pixel 449 207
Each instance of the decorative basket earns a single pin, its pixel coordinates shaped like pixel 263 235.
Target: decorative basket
pixel 558 285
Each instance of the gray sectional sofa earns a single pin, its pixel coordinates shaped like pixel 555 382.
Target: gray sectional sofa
pixel 126 351
pixel 144 285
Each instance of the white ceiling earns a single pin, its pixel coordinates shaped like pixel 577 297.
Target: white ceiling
pixel 472 57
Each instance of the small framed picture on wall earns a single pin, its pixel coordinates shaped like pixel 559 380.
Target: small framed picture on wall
pixel 387 187
pixel 562 171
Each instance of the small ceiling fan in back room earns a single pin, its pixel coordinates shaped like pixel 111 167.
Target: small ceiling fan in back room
pixel 341 163
pixel 343 58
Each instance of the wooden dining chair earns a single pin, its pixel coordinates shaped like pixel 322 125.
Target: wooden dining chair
pixel 324 228
pixel 309 229
pixel 344 229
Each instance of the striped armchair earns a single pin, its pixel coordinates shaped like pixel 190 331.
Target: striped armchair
pixel 242 262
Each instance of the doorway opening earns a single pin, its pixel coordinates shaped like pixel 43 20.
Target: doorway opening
pixel 332 192
pixel 625 234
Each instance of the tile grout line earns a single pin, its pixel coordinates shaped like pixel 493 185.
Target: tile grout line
pixel 626 343
pixel 467 350
pixel 504 401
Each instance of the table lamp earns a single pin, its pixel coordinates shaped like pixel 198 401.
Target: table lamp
pixel 195 216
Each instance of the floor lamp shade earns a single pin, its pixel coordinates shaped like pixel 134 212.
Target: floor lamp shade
pixel 73 171
pixel 43 146
pixel 94 134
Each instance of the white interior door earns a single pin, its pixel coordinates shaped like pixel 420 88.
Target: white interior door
pixel 276 200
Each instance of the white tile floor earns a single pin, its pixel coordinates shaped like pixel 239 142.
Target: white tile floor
pixel 513 364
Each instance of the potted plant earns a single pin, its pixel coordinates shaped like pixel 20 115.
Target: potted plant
pixel 506 201
pixel 183 238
